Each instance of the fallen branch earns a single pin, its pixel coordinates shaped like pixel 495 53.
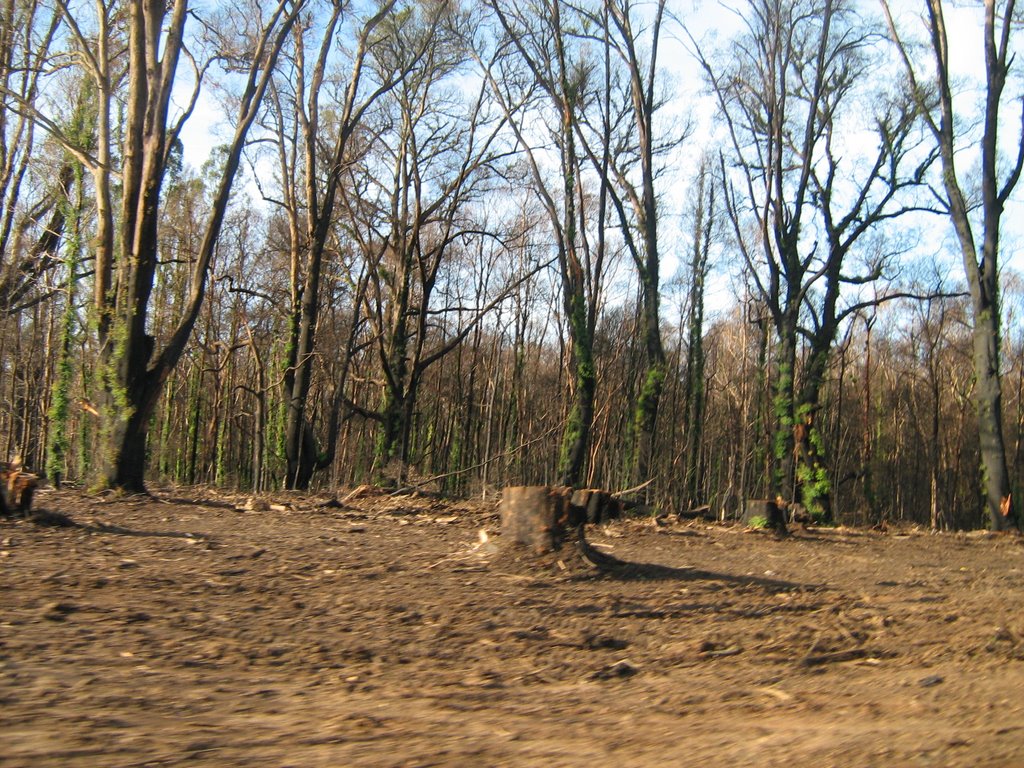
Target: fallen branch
pixel 512 451
pixel 850 654
pixel 634 489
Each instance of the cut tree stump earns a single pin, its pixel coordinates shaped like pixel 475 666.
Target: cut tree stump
pixel 541 517
pixel 768 510
pixel 16 489
pixel 537 517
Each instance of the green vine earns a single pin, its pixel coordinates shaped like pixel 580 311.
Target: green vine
pixel 59 443
pixel 782 405
pixel 81 131
pixel 811 474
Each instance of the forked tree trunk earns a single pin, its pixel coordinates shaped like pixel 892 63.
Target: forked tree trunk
pixel 134 371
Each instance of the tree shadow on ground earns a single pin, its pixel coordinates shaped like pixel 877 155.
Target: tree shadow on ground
pixel 608 566
pixel 624 570
pixel 120 530
pixel 44 518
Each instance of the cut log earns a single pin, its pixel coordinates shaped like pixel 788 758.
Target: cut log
pixel 596 506
pixel 768 510
pixel 702 512
pixel 537 517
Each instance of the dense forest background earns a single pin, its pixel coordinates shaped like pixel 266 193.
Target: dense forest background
pixel 466 245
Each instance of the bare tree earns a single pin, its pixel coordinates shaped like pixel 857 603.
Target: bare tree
pixel 430 158
pixel 31 221
pixel 627 147
pixel 801 210
pixel 310 188
pixel 980 251
pixel 541 58
pixel 706 230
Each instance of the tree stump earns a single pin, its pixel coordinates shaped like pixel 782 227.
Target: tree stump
pixel 537 516
pixel 768 510
pixel 16 489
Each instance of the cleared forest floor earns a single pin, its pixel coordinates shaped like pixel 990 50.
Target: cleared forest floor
pixel 183 631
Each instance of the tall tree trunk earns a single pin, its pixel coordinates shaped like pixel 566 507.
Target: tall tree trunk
pixel 649 398
pixel 576 435
pixel 579 316
pixel 693 392
pixel 981 265
pixel 59 443
pixel 300 443
pixel 301 450
pixel 127 436
pixel 395 359
pixel 995 479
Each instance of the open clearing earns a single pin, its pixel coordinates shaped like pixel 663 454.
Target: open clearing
pixel 191 631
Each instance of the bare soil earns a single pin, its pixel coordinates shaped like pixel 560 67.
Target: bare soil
pixel 385 632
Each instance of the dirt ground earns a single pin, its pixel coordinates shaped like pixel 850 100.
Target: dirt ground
pixel 198 629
